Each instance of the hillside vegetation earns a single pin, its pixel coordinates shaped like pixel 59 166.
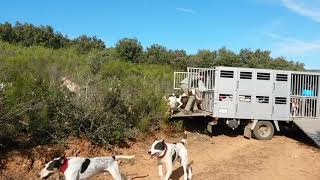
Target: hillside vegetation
pixel 121 87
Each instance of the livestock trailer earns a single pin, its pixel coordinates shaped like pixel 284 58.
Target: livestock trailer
pixel 260 100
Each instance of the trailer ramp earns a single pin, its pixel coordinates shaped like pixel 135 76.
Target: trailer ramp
pixel 311 127
pixel 198 114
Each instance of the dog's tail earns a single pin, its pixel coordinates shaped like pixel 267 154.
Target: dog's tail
pixel 184 139
pixel 120 157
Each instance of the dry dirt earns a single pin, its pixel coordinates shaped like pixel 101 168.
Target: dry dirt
pixel 220 157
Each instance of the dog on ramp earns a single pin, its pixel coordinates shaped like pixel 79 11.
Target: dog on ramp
pixel 175 102
pixel 168 154
pixel 79 168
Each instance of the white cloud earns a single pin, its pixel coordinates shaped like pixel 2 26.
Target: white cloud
pixel 186 10
pixel 290 46
pixel 309 9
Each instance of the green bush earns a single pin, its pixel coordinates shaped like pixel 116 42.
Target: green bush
pixel 118 99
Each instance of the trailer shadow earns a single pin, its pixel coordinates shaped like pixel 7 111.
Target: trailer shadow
pixel 199 125
pixel 297 134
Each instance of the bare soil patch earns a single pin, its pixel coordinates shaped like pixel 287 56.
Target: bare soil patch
pixel 221 157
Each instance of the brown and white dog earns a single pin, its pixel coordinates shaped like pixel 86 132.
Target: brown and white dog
pixel 79 168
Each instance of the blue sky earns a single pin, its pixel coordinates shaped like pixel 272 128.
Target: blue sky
pixel 289 28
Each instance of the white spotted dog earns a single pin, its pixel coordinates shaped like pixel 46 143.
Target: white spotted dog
pixel 168 153
pixel 79 168
pixel 175 102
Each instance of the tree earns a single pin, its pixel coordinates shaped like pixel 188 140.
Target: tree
pixel 6 32
pixel 255 59
pixel 225 57
pixel 205 58
pixel 84 43
pixel 157 54
pixel 129 49
pixel 30 35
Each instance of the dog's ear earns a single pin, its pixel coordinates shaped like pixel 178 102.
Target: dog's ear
pixel 46 161
pixel 62 156
pixel 61 159
pixel 162 141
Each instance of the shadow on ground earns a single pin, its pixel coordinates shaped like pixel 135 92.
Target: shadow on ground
pixel 199 125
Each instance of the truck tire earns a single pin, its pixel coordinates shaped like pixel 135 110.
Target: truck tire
pixel 263 130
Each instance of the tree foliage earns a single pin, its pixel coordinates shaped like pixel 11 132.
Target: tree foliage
pixel 129 49
pixel 158 54
pixel 84 43
pixel 29 35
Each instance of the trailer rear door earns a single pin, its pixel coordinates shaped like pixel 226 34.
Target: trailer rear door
pixel 245 94
pixel 224 104
pixel 281 100
pixel 262 106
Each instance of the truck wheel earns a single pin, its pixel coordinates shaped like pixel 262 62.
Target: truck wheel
pixel 263 130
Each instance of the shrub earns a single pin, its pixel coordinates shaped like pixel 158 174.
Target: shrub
pixel 118 99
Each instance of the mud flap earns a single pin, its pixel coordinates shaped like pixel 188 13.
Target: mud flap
pixel 210 126
pixel 247 131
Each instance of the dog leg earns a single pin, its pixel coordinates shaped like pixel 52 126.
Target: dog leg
pixel 72 175
pixel 124 177
pixel 115 174
pixel 184 163
pixel 189 172
pixel 160 170
pixel 185 172
pixel 169 170
pixel 180 104
pixel 179 101
pixel 114 171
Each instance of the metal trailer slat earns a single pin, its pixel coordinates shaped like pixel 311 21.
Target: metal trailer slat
pixel 178 77
pixel 299 84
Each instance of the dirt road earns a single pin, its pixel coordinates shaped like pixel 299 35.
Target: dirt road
pixel 215 158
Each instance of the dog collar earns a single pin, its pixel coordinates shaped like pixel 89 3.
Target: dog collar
pixel 165 151
pixel 64 165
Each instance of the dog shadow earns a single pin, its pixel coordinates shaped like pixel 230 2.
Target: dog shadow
pixel 178 173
